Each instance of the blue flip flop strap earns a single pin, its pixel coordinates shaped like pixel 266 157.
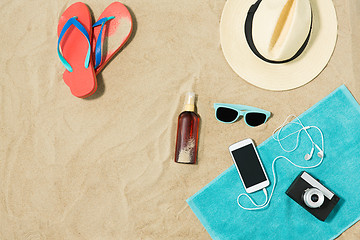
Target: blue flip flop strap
pixel 98 42
pixel 78 25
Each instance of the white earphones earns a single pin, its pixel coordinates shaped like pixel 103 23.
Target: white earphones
pixel 320 154
pixel 308 156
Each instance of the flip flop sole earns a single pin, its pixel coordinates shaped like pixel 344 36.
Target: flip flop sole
pixel 116 32
pixel 81 81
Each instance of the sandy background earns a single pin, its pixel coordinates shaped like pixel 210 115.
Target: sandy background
pixel 102 168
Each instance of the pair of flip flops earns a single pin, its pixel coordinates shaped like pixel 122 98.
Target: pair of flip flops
pixel 80 43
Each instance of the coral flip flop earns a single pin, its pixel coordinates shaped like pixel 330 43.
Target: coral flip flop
pixel 113 26
pixel 74 49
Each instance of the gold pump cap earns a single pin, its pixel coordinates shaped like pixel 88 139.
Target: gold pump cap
pixel 189 104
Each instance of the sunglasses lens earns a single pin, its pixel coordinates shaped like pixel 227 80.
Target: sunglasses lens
pixel 226 114
pixel 255 119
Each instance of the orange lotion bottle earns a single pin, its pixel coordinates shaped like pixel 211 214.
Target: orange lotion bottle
pixel 187 132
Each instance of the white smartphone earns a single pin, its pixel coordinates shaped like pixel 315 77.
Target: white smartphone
pixel 249 165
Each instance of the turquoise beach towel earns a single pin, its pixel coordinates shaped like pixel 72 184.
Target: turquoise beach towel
pixel 338 116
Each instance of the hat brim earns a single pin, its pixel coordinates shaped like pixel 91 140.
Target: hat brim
pixel 272 76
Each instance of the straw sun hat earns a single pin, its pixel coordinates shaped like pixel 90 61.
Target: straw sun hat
pixel 278 44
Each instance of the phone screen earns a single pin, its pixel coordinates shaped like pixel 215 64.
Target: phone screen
pixel 249 165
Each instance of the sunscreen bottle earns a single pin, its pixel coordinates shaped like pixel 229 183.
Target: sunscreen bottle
pixel 187 132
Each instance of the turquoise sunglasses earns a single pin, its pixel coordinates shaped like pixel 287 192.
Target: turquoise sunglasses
pixel 229 113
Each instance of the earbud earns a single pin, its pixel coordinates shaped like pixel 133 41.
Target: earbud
pixel 320 154
pixel 309 155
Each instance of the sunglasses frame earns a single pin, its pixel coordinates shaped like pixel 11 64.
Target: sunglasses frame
pixel 242 110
